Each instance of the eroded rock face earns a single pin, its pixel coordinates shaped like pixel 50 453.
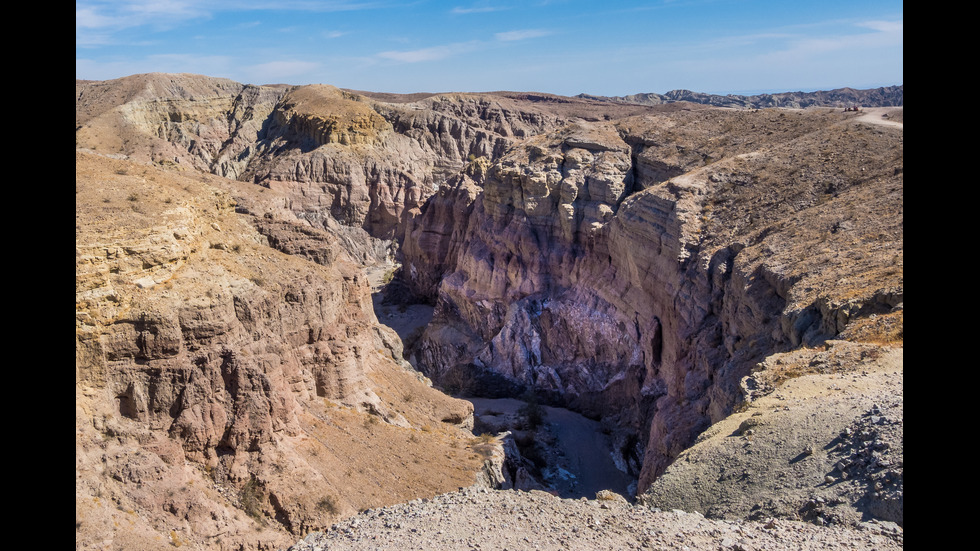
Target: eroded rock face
pixel 638 270
pixel 340 158
pixel 221 384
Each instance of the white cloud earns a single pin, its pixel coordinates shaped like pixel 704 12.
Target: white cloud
pixel 96 20
pixel 883 26
pixel 415 56
pixel 483 9
pixel 434 53
pixel 525 34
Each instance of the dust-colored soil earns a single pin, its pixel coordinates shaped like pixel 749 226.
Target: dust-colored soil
pixel 515 520
pixel 884 116
pixel 826 445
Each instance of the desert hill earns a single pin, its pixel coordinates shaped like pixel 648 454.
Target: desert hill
pixel 725 284
pixel 885 96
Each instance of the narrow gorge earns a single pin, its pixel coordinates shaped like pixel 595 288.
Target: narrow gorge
pixel 662 270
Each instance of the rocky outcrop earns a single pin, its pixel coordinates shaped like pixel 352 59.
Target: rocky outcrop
pixel 342 158
pixel 524 521
pixel 637 271
pixel 221 384
pixel 824 446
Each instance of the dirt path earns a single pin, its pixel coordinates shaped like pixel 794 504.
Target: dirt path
pixel 404 319
pixel 877 115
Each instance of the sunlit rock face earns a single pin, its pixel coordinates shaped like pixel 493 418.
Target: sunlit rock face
pixel 617 271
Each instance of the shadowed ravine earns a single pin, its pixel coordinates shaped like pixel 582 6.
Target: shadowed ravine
pixel 577 453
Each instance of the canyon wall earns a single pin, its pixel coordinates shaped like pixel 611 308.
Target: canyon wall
pixel 229 395
pixel 345 162
pixel 638 270
pixel 232 381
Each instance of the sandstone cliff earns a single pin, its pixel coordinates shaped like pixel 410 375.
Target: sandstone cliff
pixel 227 393
pixel 639 270
pixel 341 158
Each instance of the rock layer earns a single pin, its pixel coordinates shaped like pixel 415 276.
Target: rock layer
pixel 638 271
pixel 340 157
pixel 227 391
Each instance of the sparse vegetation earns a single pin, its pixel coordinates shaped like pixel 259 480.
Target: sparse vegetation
pixel 389 275
pixel 531 413
pixel 485 444
pixel 328 505
pixel 250 499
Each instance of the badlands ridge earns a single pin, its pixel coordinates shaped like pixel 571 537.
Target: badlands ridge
pixel 720 289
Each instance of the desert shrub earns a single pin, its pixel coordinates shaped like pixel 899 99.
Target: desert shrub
pixel 484 444
pixel 389 275
pixel 328 505
pixel 249 497
pixel 532 413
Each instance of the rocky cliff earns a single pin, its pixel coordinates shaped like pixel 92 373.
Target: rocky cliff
pixel 227 393
pixel 341 158
pixel 639 270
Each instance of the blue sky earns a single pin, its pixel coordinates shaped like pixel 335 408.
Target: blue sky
pixel 558 46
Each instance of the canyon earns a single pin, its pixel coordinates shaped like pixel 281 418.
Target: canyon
pixel 719 290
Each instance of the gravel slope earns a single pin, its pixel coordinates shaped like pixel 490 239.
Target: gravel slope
pixel 515 520
pixel 825 447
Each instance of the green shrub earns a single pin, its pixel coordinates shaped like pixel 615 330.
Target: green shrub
pixel 250 499
pixel 532 413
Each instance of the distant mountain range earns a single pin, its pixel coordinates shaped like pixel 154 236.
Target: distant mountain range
pixel 887 96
